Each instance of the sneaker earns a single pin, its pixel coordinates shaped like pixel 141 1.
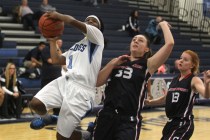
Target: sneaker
pixel 90 127
pixel 37 123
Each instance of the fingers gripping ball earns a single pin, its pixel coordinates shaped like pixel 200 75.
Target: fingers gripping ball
pixel 49 27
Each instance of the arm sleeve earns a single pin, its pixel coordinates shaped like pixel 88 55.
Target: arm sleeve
pixel 94 35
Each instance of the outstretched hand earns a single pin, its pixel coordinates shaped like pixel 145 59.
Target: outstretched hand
pixel 163 22
pixel 147 102
pixel 207 76
pixel 52 14
pixel 119 60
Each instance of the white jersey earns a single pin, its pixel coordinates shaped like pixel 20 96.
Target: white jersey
pixel 83 61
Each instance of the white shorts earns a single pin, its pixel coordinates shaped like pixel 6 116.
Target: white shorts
pixel 74 99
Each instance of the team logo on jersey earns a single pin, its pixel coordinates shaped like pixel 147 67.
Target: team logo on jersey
pixel 179 89
pixel 78 47
pixel 137 66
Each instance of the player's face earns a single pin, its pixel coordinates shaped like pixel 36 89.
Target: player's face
pixel 138 46
pixel 185 62
pixel 92 21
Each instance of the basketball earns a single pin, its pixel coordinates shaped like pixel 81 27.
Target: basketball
pixel 49 27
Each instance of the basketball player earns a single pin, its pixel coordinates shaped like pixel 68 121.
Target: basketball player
pixel 180 98
pixel 75 91
pixel 125 93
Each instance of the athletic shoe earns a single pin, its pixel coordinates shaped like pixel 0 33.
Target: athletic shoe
pixel 39 123
pixel 90 127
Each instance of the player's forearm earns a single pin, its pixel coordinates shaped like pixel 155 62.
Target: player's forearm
pixel 54 53
pixel 104 74
pixel 164 52
pixel 65 18
pixel 69 20
pixel 159 101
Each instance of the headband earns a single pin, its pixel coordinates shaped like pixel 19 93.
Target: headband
pixel 93 16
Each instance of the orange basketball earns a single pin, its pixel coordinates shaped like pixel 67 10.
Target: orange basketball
pixel 49 27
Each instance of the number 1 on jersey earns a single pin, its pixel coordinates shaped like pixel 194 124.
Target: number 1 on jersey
pixel 70 62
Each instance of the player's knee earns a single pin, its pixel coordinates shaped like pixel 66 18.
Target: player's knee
pixel 37 106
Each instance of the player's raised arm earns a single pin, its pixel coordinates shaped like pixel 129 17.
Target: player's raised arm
pixel 162 55
pixel 68 19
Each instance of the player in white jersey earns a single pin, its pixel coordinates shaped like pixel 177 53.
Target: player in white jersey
pixel 74 92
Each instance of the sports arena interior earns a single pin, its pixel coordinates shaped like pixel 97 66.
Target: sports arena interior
pixel 190 28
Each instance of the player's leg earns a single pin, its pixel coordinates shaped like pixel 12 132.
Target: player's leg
pixel 41 122
pixel 76 135
pixel 178 129
pixel 75 106
pixel 185 130
pixel 105 125
pixel 38 106
pixel 48 97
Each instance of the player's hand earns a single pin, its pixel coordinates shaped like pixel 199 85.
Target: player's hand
pixel 53 14
pixel 147 102
pixel 163 23
pixel 53 39
pixel 119 60
pixel 150 97
pixel 206 75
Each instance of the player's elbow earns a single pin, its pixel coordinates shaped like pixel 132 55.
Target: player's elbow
pixel 170 43
pixel 55 62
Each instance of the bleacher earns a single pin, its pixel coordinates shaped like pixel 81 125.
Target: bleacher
pixel 114 14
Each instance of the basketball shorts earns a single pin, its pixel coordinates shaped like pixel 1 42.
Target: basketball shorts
pixel 178 129
pixel 111 125
pixel 74 99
